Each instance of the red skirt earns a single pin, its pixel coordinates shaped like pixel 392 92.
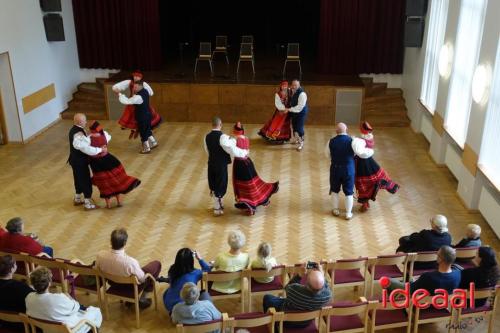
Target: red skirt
pixel 249 190
pixel 110 177
pixel 370 178
pixel 277 129
pixel 127 120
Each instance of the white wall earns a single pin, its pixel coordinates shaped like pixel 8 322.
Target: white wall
pixel 474 190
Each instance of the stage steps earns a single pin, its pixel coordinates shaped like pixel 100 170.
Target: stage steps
pixel 88 99
pixel 384 107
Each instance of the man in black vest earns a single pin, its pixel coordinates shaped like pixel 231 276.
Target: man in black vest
pixel 142 115
pixel 79 152
pixel 220 147
pixel 298 109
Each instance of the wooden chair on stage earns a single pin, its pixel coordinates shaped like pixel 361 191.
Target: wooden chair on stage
pixel 205 55
pixel 246 54
pixel 220 47
pixel 293 55
pixel 247 39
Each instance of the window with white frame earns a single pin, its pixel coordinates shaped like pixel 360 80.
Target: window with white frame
pixel 489 161
pixel 466 53
pixel 435 38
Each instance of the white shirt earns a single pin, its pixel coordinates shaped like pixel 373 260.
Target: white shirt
pixel 62 308
pixel 136 99
pixel 229 145
pixel 278 103
pixel 301 103
pixel 358 146
pixel 125 84
pixel 82 143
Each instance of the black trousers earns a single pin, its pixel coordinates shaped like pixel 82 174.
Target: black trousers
pixel 144 126
pixel 82 180
pixel 298 122
pixel 217 179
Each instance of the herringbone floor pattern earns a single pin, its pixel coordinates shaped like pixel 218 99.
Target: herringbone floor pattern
pixel 171 209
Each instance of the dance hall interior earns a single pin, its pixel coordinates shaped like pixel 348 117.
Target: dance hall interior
pixel 222 166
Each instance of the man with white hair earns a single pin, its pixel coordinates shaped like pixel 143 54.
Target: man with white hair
pixel 79 151
pixel 195 308
pixel 427 239
pixel 341 150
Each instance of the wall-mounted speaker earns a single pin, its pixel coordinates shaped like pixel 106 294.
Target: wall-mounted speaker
pixel 414 31
pixel 51 5
pixel 54 29
pixel 416 7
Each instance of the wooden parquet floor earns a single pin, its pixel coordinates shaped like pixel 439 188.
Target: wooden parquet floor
pixel 171 208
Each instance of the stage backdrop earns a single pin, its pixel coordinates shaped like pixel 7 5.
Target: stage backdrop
pixel 361 36
pixel 123 34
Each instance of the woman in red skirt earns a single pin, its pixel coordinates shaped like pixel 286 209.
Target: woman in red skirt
pixel 277 129
pixel 108 173
pixel 127 120
pixel 370 177
pixel 249 190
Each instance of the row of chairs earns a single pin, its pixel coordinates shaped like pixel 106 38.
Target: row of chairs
pixel 351 317
pixel 246 53
pixel 34 325
pixel 73 275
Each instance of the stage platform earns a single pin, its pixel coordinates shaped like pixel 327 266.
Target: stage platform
pixel 182 96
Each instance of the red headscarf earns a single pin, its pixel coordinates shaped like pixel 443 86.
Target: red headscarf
pixel 238 129
pixel 365 128
pixel 137 73
pixel 95 127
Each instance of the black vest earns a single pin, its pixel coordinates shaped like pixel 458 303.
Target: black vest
pixel 216 155
pixel 76 156
pixel 295 100
pixel 142 110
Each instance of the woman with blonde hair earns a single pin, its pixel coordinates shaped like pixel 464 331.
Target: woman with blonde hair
pixel 264 260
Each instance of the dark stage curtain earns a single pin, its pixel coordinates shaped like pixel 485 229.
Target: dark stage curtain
pixel 361 36
pixel 121 34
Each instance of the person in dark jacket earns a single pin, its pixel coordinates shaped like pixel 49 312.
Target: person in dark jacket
pixel 484 276
pixel 427 239
pixel 472 237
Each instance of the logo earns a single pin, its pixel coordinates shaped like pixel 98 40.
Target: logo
pixel 440 299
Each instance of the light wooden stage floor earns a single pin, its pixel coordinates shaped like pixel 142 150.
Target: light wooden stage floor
pixel 171 208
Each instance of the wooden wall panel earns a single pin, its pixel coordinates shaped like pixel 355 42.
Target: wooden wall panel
pixel 320 96
pixel 204 94
pixel 175 93
pixel 39 98
pixel 203 112
pixel 232 94
pixel 174 112
pixel 260 95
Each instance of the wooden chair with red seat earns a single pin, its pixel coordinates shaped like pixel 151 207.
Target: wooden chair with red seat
pixel 487 310
pixel 56 266
pixel 23 264
pixel 348 273
pixel 128 289
pixel 421 262
pixel 431 314
pixel 255 322
pixel 391 266
pixel 275 287
pixel 209 278
pixel 384 317
pixel 14 318
pixel 465 256
pixel 58 327
pixel 313 317
pixel 206 327
pixel 346 317
pixel 80 276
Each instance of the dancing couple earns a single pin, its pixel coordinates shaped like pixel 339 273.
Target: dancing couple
pixel 290 108
pixel 138 116
pixel 108 174
pixel 352 165
pixel 250 190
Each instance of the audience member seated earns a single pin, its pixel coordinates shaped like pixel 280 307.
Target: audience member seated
pixel 264 260
pixel 15 241
pixel 427 240
pixel 486 275
pixel 314 295
pixel 445 277
pixel 195 308
pixel 181 272
pixel 232 261
pixel 116 262
pixel 472 237
pixel 57 306
pixel 13 292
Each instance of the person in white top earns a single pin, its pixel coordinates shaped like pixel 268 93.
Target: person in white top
pixel 341 150
pixel 79 151
pixel 299 109
pixel 59 307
